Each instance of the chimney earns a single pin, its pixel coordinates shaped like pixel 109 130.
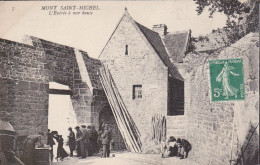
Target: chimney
pixel 161 29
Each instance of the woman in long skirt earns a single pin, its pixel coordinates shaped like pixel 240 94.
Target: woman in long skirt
pixel 61 153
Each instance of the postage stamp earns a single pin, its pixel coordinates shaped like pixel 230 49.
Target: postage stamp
pixel 227 80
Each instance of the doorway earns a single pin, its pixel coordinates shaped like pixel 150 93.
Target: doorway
pixel 61 115
pixel 106 117
pixel 175 97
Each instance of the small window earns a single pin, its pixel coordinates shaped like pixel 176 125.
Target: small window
pixel 126 49
pixel 137 91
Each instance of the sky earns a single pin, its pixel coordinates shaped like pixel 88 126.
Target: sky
pixel 91 32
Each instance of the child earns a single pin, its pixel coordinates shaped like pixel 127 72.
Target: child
pixel 169 149
pixel 183 148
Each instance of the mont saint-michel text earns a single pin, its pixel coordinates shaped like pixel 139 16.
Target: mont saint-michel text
pixel 71 7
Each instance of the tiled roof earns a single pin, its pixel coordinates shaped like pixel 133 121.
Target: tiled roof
pixel 176 44
pixel 157 43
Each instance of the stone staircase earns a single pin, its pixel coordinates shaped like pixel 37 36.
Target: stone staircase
pixel 176 126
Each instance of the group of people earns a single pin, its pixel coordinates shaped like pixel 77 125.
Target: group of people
pixel 87 141
pixel 179 148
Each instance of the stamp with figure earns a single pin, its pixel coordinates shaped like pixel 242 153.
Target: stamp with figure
pixel 227 80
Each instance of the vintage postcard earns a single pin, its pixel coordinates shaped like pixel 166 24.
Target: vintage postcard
pixel 129 82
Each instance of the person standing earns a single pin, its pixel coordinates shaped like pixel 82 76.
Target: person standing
pixel 95 139
pixel 91 141
pixel 71 141
pixel 61 153
pixel 84 141
pixel 50 142
pixel 78 143
pixel 105 139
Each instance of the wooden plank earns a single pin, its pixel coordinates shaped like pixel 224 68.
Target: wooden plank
pixel 126 125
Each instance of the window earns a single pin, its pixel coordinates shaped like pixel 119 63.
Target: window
pixel 126 49
pixel 137 91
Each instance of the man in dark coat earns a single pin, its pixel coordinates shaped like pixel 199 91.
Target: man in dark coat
pixel 50 142
pixel 105 139
pixel 95 139
pixel 71 141
pixel 78 143
pixel 91 141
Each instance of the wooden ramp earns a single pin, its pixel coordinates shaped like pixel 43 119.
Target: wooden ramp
pixel 125 123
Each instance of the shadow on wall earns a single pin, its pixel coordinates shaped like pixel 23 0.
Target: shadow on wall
pixel 249 151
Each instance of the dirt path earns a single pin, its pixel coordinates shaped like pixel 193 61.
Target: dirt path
pixel 126 158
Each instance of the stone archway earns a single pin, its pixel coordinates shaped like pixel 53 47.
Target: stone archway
pixel 106 116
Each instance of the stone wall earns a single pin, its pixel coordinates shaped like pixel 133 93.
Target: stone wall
pixel 215 129
pixel 25 73
pixel 141 66
pixel 24 89
pixel 99 99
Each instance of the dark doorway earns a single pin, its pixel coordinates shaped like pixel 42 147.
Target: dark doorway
pixel 106 116
pixel 175 97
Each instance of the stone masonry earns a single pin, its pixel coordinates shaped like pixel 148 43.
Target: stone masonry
pixel 25 73
pixel 217 129
pixel 142 66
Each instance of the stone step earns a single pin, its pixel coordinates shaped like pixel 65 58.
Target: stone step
pixel 176 123
pixel 176 133
pixel 181 127
pixel 176 137
pixel 179 117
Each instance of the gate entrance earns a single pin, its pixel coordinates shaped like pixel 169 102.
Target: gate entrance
pixel 61 115
pixel 106 116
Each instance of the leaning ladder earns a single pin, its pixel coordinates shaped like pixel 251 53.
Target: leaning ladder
pixel 123 119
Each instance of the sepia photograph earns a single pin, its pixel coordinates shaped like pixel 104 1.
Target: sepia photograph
pixel 129 82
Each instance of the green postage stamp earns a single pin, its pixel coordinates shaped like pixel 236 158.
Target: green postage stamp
pixel 227 80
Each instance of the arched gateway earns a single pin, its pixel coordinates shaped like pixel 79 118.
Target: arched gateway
pixel 106 116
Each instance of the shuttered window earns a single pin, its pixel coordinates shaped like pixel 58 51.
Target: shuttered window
pixel 137 91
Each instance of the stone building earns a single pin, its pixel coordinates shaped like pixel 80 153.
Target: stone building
pixel 27 70
pixel 142 63
pixel 154 73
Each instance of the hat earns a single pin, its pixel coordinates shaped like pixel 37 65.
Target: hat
pixel 83 126
pixel 77 127
pixel 172 139
pixel 54 132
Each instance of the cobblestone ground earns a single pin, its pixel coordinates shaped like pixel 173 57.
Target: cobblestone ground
pixel 126 158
